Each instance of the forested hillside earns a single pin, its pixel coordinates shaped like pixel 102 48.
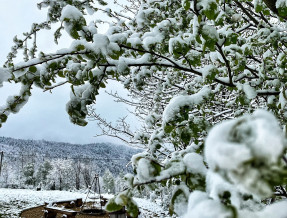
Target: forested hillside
pixel 32 162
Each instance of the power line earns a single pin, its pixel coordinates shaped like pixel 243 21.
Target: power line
pixel 60 157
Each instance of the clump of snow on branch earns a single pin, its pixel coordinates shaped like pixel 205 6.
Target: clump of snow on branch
pixel 173 108
pixel 240 154
pixel 70 12
pixel 234 147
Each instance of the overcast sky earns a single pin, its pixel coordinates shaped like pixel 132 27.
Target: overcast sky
pixel 44 116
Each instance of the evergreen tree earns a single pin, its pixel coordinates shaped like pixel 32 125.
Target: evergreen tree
pixel 43 172
pixel 108 182
pixel 120 183
pixel 29 174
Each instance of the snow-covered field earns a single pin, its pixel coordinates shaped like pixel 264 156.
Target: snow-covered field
pixel 13 201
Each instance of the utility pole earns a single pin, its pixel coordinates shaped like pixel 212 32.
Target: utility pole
pixel 1 159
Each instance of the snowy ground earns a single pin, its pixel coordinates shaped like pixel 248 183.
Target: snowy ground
pixel 13 201
pixel 150 209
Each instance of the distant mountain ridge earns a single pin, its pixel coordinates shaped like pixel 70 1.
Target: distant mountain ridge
pixel 106 155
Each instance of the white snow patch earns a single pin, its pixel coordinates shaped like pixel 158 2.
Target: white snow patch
pixel 200 205
pixel 70 12
pixel 4 75
pixel 173 108
pixel 194 163
pixel 249 91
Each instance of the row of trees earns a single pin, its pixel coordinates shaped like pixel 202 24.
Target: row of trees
pixel 57 174
pixel 187 65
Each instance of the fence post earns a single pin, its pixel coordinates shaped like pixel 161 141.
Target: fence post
pixel 1 159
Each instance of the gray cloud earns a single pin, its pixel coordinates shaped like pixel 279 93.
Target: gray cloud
pixel 44 116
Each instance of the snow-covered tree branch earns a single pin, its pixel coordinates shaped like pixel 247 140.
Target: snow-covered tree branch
pixel 188 65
